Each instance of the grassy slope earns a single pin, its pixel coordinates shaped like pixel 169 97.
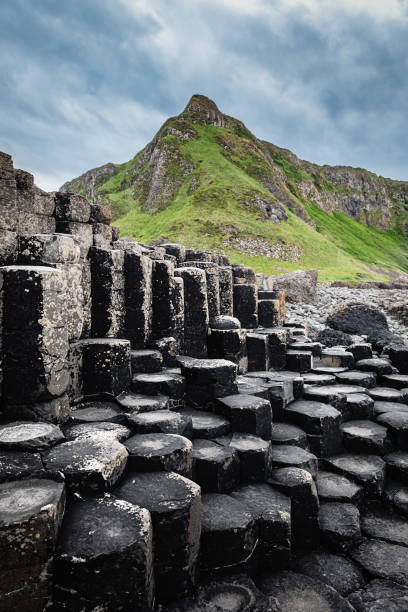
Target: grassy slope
pixel 340 248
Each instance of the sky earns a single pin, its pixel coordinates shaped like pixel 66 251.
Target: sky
pixel 85 82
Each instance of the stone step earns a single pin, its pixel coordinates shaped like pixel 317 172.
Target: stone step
pixel 293 591
pixel 137 402
pixel 336 488
pixel 298 484
pixel 294 456
pixel 380 593
pixel 113 540
pixel 355 377
pixel 146 361
pixel 337 358
pixel 379 366
pixel 216 468
pixel 96 411
pixel 382 560
pixel 381 407
pixel 160 452
pixel 340 525
pixel 255 455
pixel 229 534
pixel 90 430
pixel 397 465
pixel 320 422
pixel 320 368
pixel 299 361
pixel 31 513
pixel 161 421
pixel 272 510
pixel 334 570
pixel 386 394
pixel 17 465
pixel 397 381
pixel 361 436
pixel 206 425
pixel 176 527
pixel 367 470
pixel 309 347
pixel 396 494
pixel 397 424
pixel 208 379
pixel 318 380
pixel 89 465
pixel 358 406
pixel 170 385
pixel 381 525
pixel 29 436
pixel 284 433
pixel 247 414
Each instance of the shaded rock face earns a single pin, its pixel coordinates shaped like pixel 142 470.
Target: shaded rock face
pixel 299 286
pixel 357 319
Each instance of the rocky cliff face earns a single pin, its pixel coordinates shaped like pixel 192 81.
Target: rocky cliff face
pixel 160 170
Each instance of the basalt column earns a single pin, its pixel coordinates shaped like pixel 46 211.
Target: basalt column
pixel 163 299
pixel 138 298
pixel 35 334
pixel 195 311
pixel 108 292
pixel 226 290
pixel 213 285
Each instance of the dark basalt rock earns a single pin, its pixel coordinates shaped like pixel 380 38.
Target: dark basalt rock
pixel 272 510
pixel 137 402
pixel 337 358
pixel 385 394
pixel 397 465
pixel 97 411
pixel 255 455
pixel 333 337
pixel 396 494
pixel 319 380
pixel 358 406
pixel 379 594
pixel 396 381
pixel 105 556
pixel 171 385
pixel 397 423
pixel 206 425
pixel 283 433
pixel 299 361
pixel 299 485
pixel 365 437
pixel 289 591
pixel 340 525
pixel 336 488
pixel 229 533
pixel 89 465
pixel 16 465
pixel 174 504
pixel 337 572
pixel 321 423
pixel 29 436
pixel 383 407
pixel 146 361
pixel 90 430
pixel 367 470
pixel 379 366
pixel 293 456
pixel 399 358
pixel 377 523
pixel 31 512
pixel 247 414
pixel 161 421
pixel 160 452
pixel 225 322
pixel 355 377
pixel 106 365
pixel 216 468
pixel 207 379
pixel 383 560
pixel 355 318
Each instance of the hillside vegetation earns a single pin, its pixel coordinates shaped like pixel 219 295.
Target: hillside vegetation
pixel 207 182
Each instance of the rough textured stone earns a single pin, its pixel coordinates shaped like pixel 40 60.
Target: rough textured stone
pixel 383 560
pixel 29 436
pixel 195 311
pixel 357 318
pixel 161 421
pixel 247 414
pixel 335 571
pixel 105 556
pixel 106 365
pixel 299 286
pixel 368 470
pixel 216 468
pixel 160 452
pixel 174 504
pixel 340 525
pixel 336 488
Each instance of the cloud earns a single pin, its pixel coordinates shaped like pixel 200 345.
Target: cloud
pixel 84 83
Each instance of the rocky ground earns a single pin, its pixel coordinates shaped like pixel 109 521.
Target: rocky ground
pixel 328 298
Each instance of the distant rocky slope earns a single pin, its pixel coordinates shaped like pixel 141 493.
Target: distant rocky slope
pixel 206 177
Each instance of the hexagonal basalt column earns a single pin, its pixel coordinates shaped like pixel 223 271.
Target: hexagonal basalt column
pixel 106 365
pixel 108 292
pixel 104 557
pixel 208 379
pixel 174 504
pixel 213 285
pixel 246 305
pixel 247 414
pixel 35 338
pixel 226 291
pixel 195 311
pixel 30 515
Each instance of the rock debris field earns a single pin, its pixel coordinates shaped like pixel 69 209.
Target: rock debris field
pixel 172 439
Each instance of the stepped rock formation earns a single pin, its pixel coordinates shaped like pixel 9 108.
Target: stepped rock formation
pixel 234 190
pixel 169 441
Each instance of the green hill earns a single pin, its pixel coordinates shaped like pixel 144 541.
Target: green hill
pixel 206 181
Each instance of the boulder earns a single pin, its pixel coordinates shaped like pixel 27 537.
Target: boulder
pixel 299 286
pixel 357 318
pixel 333 337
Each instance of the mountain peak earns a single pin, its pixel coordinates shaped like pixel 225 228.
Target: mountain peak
pixel 204 109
